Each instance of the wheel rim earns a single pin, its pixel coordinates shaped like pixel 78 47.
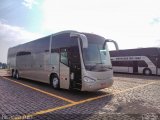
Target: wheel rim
pixel 147 72
pixel 55 82
pixel 17 75
pixel 14 74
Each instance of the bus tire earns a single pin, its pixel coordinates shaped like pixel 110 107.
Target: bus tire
pixel 147 71
pixel 13 73
pixel 54 82
pixel 17 75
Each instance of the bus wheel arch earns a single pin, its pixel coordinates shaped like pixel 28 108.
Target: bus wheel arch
pixel 54 81
pixel 147 71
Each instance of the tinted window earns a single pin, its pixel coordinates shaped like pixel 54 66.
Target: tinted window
pixel 158 62
pixel 153 59
pixel 38 46
pixel 142 64
pixel 63 41
pixel 21 53
pixel 129 63
pixel 73 54
pixel 123 63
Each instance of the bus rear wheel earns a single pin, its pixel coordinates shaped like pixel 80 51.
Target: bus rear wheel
pixel 13 73
pixel 55 82
pixel 17 75
pixel 147 71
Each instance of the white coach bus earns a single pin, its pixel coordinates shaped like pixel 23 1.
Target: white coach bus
pixel 138 61
pixel 68 60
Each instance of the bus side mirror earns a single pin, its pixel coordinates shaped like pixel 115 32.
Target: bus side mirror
pixel 82 37
pixel 114 42
pixel 84 40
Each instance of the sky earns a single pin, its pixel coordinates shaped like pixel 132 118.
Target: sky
pixel 132 23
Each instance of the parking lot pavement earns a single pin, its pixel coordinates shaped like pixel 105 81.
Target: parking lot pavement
pixel 130 97
pixel 3 72
pixel 19 100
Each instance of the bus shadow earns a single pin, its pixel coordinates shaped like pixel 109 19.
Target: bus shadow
pixel 84 110
pixel 136 76
pixel 73 95
pixel 83 95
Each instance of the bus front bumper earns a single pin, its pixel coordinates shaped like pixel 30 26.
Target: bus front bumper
pixel 97 85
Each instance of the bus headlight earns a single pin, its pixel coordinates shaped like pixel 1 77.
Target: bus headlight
pixel 88 79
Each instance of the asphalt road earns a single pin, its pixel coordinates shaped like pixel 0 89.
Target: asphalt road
pixel 130 97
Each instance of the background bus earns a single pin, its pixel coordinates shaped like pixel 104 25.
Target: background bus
pixel 142 61
pixel 68 60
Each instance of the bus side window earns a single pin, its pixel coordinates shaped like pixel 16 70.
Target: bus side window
pixel 142 64
pixel 64 56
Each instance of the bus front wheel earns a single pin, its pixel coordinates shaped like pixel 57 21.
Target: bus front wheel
pixel 147 71
pixel 55 82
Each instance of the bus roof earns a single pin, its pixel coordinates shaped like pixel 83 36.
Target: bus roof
pixel 151 51
pixel 54 34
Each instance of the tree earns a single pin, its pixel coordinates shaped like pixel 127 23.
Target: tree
pixel 0 65
pixel 4 65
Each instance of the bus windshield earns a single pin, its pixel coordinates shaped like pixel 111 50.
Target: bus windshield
pixel 96 57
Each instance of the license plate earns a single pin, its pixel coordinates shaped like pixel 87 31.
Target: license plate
pixel 103 84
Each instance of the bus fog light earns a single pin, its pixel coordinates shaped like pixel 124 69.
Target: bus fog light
pixel 88 79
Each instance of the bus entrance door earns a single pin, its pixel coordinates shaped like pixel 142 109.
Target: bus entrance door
pixel 64 69
pixel 135 66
